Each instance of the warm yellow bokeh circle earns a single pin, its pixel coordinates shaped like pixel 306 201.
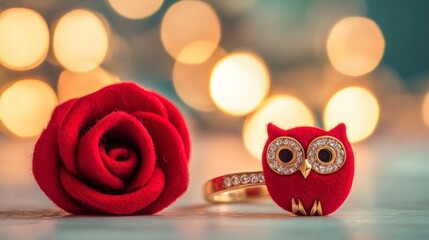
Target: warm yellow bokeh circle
pixel 190 31
pixel 26 107
pixel 24 38
pixel 73 85
pixel 136 9
pixel 357 108
pixel 425 109
pixel 284 111
pixel 355 46
pixel 192 82
pixel 80 41
pixel 239 83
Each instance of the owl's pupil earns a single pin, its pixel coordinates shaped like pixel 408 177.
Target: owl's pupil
pixel 285 155
pixel 325 155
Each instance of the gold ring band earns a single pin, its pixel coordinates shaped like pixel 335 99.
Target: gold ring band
pixel 236 187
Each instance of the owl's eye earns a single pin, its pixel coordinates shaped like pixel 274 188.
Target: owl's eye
pixel 326 154
pixel 284 155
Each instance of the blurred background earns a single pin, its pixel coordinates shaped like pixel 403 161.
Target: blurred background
pixel 231 66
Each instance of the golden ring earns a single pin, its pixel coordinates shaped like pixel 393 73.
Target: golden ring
pixel 236 187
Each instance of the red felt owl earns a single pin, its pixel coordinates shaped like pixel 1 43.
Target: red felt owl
pixel 308 171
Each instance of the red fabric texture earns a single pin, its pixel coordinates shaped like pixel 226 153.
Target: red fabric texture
pixel 330 189
pixel 122 150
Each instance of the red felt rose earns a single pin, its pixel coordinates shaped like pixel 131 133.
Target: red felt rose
pixel 121 150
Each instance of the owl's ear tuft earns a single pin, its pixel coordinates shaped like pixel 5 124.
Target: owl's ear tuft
pixel 274 131
pixel 339 130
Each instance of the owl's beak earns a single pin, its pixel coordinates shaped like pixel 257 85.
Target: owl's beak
pixel 305 168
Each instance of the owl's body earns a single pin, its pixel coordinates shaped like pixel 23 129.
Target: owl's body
pixel 317 178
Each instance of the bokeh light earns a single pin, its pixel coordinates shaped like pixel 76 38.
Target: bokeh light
pixel 426 109
pixel 355 46
pixel 80 41
pixel 192 81
pixel 239 83
pixel 26 107
pixel 282 110
pixel 72 85
pixel 136 9
pixel 190 31
pixel 24 38
pixel 357 108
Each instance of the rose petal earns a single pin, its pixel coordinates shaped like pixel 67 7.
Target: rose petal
pixel 121 160
pixel 114 204
pixel 47 163
pixel 175 117
pixel 127 97
pixel 92 167
pixel 171 157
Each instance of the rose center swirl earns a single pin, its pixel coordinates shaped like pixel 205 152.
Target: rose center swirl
pixel 120 159
pixel 116 155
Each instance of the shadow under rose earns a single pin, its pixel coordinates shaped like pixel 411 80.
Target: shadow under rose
pixel 32 214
